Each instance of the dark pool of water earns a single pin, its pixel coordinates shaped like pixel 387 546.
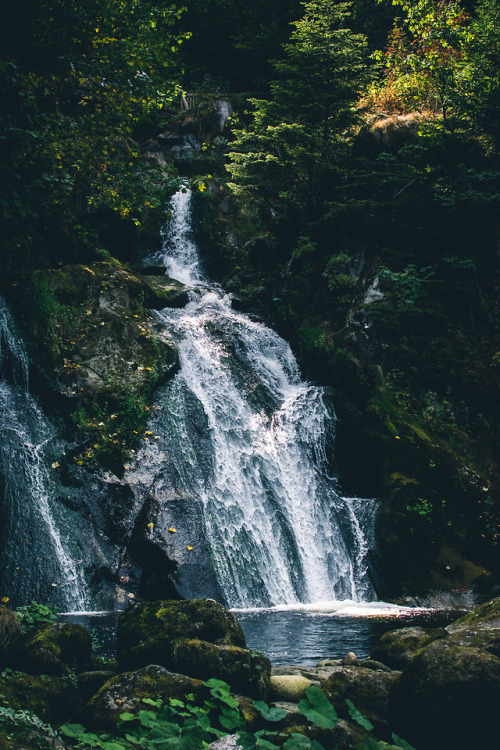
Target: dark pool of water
pixel 288 637
pixel 305 637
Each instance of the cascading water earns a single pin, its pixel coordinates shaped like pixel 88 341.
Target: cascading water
pixel 34 552
pixel 241 441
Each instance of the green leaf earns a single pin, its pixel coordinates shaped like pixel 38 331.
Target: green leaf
pixel 127 716
pixel 269 713
pixel 358 717
pixel 317 709
pixel 297 742
pixel 402 743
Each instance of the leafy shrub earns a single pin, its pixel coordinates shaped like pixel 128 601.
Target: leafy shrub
pixel 33 615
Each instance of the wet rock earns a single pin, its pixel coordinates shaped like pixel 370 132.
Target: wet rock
pixel 288 687
pixel 11 636
pixel 397 648
pixel 367 689
pixel 376 665
pixel 161 291
pixel 57 649
pixel 448 697
pixel 127 691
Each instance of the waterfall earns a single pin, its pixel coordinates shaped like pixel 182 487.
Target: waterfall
pixel 35 556
pixel 240 443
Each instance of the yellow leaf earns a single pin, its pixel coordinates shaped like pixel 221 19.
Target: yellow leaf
pixel 150 525
pixel 5 599
pixel 189 548
pixel 173 531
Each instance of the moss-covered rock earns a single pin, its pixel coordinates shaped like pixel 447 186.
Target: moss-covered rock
pixel 53 699
pixel 486 616
pixel 57 649
pixel 448 697
pixel 147 631
pixel 367 689
pixel 246 671
pixel 161 291
pixel 126 692
pixel 398 648
pixel 11 636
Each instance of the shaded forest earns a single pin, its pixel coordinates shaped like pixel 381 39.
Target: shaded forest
pixel 352 200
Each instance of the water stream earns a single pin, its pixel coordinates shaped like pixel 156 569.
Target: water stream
pixel 242 440
pixel 35 553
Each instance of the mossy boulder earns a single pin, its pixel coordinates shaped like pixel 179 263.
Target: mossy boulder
pixel 57 649
pixel 246 671
pixel 126 691
pixel 11 636
pixel 397 648
pixel 367 689
pixel 148 631
pixel 161 291
pixel 448 697
pixel 53 699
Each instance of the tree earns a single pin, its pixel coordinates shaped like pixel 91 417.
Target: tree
pixel 77 82
pixel 425 53
pixel 289 154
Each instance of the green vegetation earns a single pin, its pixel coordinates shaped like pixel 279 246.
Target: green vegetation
pixel 31 616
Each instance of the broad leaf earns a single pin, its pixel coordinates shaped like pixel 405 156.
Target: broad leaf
pixel 317 709
pixel 268 712
pixel 401 743
pixel 358 717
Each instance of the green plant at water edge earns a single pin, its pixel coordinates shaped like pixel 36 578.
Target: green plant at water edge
pixel 35 614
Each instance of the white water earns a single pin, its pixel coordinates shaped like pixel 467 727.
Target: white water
pixel 278 531
pixel 28 503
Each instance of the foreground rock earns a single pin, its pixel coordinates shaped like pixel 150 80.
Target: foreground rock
pixel 448 697
pixel 368 689
pixel 11 636
pixel 125 692
pixel 199 638
pixel 57 649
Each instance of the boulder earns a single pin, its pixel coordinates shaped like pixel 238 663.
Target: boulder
pixel 161 291
pixel 148 631
pixel 90 682
pixel 288 687
pixel 57 649
pixel 11 636
pixel 246 671
pixel 369 690
pixel 448 697
pixel 199 638
pixel 125 692
pixel 397 648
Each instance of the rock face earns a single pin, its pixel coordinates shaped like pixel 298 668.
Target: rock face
pixel 96 333
pixel 198 638
pixel 160 292
pixel 398 648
